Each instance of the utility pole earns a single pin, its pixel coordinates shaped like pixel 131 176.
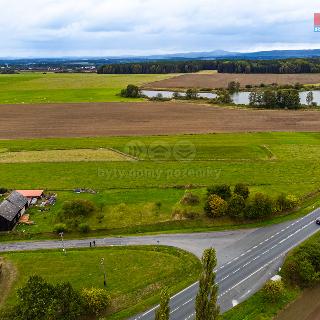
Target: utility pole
pixel 104 273
pixel 62 242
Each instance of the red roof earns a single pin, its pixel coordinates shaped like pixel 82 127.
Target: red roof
pixel 31 193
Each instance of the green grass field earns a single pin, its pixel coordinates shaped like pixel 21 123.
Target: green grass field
pixel 56 88
pixel 128 191
pixel 135 275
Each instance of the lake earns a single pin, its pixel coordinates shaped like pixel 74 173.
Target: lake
pixel 238 98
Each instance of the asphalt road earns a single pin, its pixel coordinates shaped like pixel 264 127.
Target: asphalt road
pixel 246 258
pixel 260 254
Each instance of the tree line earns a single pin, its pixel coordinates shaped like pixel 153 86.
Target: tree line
pixel 280 66
pixel 276 98
pixel 236 203
pixel 158 67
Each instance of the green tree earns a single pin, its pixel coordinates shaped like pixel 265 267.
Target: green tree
pixel 302 267
pixel 206 301
pixel 76 208
pixel 131 91
pixel 288 98
pixel 309 98
pixel 224 97
pixel 67 303
pixel 163 312
pixel 191 94
pixel 222 190
pixel 286 202
pixel 270 98
pixel 256 98
pixel 39 300
pixel 34 299
pixel 236 206
pixel 233 86
pixel 260 207
pixel 242 190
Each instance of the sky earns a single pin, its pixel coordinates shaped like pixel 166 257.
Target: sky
pixel 53 28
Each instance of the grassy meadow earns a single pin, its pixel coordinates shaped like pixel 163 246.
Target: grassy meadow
pixel 139 196
pixel 64 88
pixel 135 275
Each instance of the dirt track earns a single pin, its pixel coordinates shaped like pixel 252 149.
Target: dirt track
pixel 102 119
pixel 306 307
pixel 221 80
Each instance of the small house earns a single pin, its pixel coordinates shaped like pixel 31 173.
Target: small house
pixel 32 195
pixel 11 209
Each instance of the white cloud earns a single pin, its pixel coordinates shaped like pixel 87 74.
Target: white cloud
pixel 107 27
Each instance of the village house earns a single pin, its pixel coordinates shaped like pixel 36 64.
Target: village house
pixel 11 209
pixel 32 195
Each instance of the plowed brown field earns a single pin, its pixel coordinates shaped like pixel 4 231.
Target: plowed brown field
pixel 221 80
pixel 103 119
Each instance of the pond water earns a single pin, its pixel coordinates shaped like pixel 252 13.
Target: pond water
pixel 169 94
pixel 238 98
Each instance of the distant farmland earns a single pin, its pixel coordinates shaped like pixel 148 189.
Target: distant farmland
pixel 35 87
pixel 221 80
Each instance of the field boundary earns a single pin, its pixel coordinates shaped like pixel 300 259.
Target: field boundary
pixel 7 278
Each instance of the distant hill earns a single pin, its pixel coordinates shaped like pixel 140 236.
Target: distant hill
pixel 90 64
pixel 221 54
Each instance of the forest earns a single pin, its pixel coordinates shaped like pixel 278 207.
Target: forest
pixel 281 66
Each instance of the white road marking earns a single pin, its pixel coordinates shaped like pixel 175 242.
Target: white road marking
pixel 237 258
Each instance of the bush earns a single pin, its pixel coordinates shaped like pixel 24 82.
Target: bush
pixel 260 207
pixel 131 91
pixel 59 227
pixel 273 290
pixel 242 190
pixel 76 208
pixel 72 224
pixel 286 202
pixel 191 94
pixel 185 212
pixel 215 206
pixel 189 214
pixel 224 97
pixel 100 217
pixel 190 199
pixel 96 300
pixel 3 190
pixel 176 95
pixel 84 228
pixel 236 206
pixel 292 201
pixel 302 267
pixel 222 190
